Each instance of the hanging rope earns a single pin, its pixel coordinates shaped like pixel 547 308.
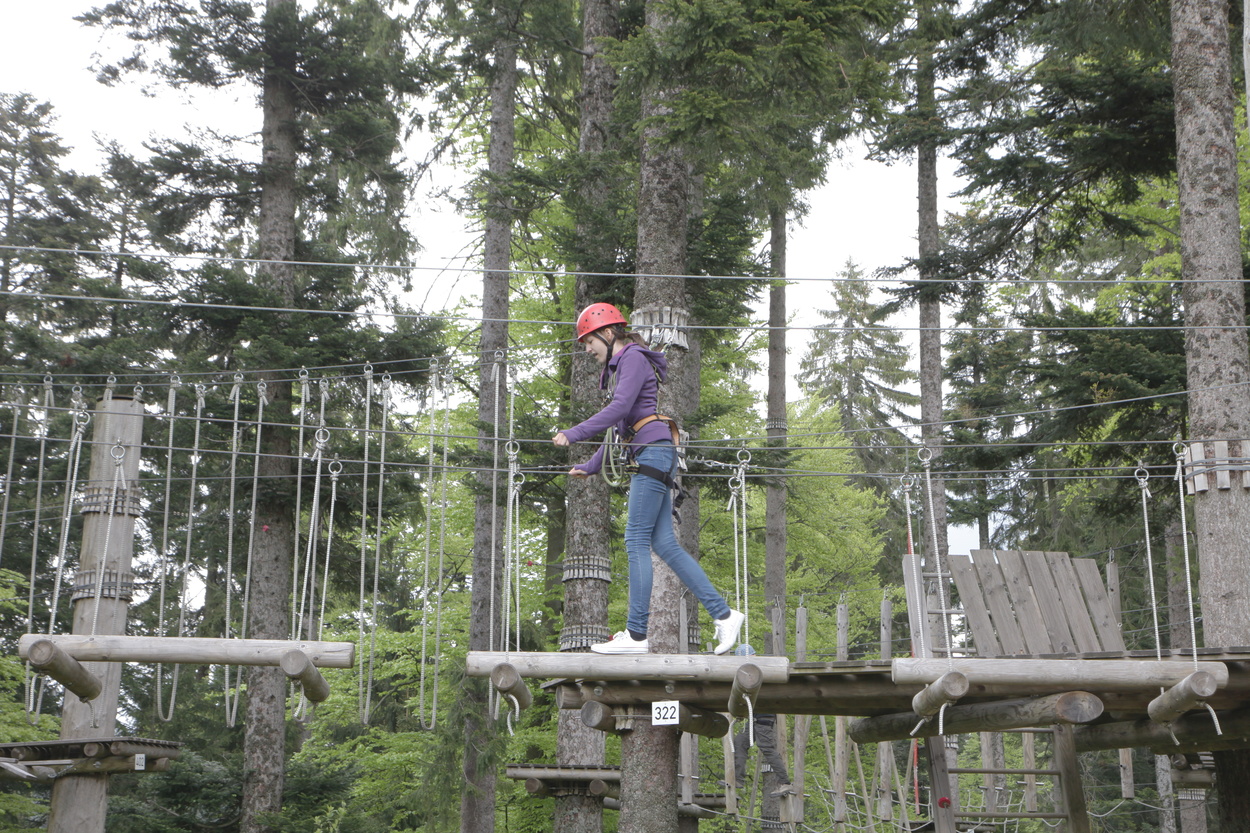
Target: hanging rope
pixel 362 707
pixel 18 396
pixel 445 386
pixel 512 545
pixel 922 638
pixel 1143 477
pixel 236 395
pixel 299 494
pixel 307 593
pixel 926 458
pixel 497 379
pixel 738 515
pixel 1179 450
pixel 377 547
pixel 166 716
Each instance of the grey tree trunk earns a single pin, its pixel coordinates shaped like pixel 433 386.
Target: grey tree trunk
pixel 930 308
pixel 1217 355
pixel 649 753
pixel 264 745
pixel 477 800
pixel 775 427
pixel 588 527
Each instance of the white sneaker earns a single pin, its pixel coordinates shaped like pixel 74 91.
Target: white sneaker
pixel 727 630
pixel 622 643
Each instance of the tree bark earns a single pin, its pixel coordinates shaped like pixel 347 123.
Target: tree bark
pixel 930 307
pixel 588 554
pixel 1217 355
pixel 649 753
pixel 477 800
pixel 264 745
pixel 775 427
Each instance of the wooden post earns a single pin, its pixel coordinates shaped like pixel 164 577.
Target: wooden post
pixel 1127 789
pixel 802 723
pixel 1073 793
pixel 885 756
pixel 747 681
pixel 110 508
pixel 841 750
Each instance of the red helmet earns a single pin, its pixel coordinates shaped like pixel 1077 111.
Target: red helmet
pixel 597 316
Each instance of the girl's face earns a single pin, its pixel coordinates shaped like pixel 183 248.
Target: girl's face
pixel 598 347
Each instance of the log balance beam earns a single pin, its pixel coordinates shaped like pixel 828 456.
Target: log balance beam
pixel 1073 707
pixel 191 650
pixel 606 667
pixel 1112 675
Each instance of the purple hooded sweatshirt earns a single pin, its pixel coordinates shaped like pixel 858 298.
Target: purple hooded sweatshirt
pixel 636 369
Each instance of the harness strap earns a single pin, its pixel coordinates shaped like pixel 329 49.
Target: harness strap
pixel 647 420
pixel 665 478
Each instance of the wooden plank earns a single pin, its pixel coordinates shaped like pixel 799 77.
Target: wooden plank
pixel 1195 454
pixel 1023 602
pixel 1222 480
pixel 975 607
pixel 1098 602
pixel 1077 614
pixel 189 650
pixel 1096 675
pixel 1049 603
pixel 994 587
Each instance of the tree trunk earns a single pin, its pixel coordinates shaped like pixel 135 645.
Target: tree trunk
pixel 649 753
pixel 775 427
pixel 1217 355
pixel 588 553
pixel 930 307
pixel 264 745
pixel 477 801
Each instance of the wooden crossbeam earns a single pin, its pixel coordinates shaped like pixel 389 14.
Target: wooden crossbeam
pixel 1087 674
pixel 191 650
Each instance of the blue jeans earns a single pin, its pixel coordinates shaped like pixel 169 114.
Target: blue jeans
pixel 648 527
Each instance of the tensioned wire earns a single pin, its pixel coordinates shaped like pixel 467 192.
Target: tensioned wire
pixel 755 327
pixel 541 273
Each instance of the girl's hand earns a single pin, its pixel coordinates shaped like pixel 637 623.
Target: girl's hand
pixel 577 472
pixel 561 440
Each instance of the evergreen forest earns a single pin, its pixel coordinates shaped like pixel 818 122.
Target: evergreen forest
pixel 344 441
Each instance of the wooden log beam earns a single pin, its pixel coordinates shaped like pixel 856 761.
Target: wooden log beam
pixel 298 666
pixel 746 685
pixel 1193 779
pixel 600 716
pixel 518 772
pixel 112 764
pixel 605 789
pixel 537 787
pixel 507 680
pixel 943 691
pixel 1192 730
pixel 1087 674
pixel 589 666
pixel 696 721
pixel 99 749
pixel 1185 696
pixel 191 650
pixel 47 658
pixel 687 810
pixel 1001 716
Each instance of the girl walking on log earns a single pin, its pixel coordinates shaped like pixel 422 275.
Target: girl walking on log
pixel 636 372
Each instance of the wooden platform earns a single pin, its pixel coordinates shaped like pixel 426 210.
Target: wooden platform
pixel 46 760
pixel 861 688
